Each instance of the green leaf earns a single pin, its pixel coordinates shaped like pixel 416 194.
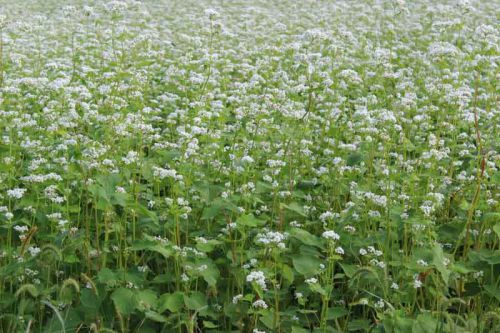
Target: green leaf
pixel 213 210
pixel 348 269
pixel 196 301
pixel 267 318
pixel 307 184
pixel 149 245
pixel 125 300
pixel 464 205
pixel 358 325
pixel 209 324
pixel 171 302
pixel 295 207
pixel 305 237
pixel 147 299
pixel 319 289
pixel 354 159
pixel 154 316
pixel 210 274
pixel 336 312
pixel 397 322
pixel 471 289
pixel 249 220
pixel 460 268
pixel 107 277
pixel 90 302
pixel 493 291
pixel 496 228
pixel 306 265
pixel 438 261
pixel 425 323
pixel 208 246
pixel 297 329
pixel 287 273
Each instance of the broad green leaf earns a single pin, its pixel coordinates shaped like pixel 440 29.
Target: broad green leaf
pixel 249 220
pixel 125 300
pixel 305 237
pixel 349 270
pixel 155 316
pixel 149 245
pixel 267 318
pixel 107 276
pixel 196 301
pixel 493 291
pixel 287 273
pixel 215 208
pixel 358 325
pixel 318 289
pixel 354 159
pixel 424 323
pixel 306 265
pixel 171 302
pixel 438 261
pixel 297 329
pixel 147 299
pixel 209 324
pixel 210 274
pixel 336 312
pixel 295 207
pixel 496 228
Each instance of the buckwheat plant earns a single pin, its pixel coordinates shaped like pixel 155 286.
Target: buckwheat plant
pixel 249 166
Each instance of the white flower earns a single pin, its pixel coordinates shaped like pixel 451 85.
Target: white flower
pixel 247 159
pixel 350 229
pixel 33 250
pixel 132 157
pixel 259 278
pixel 422 262
pixel 211 13
pixel 330 235
pixel 311 280
pixel 143 268
pixel 326 216
pixel 237 298
pixel 380 304
pixel 21 229
pixel 166 173
pixel 339 250
pixel 16 193
pixel 275 238
pixel 259 304
pixel 119 189
pixel 478 274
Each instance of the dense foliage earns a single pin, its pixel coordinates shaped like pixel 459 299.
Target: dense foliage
pixel 249 166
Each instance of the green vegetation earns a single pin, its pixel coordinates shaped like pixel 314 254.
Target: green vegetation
pixel 249 166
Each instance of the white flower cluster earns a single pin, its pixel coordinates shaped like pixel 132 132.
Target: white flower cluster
pixel 273 238
pixel 16 193
pixel 259 278
pixel 166 173
pixel 260 304
pixel 330 235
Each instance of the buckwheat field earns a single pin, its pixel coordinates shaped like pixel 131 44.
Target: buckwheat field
pixel 249 166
